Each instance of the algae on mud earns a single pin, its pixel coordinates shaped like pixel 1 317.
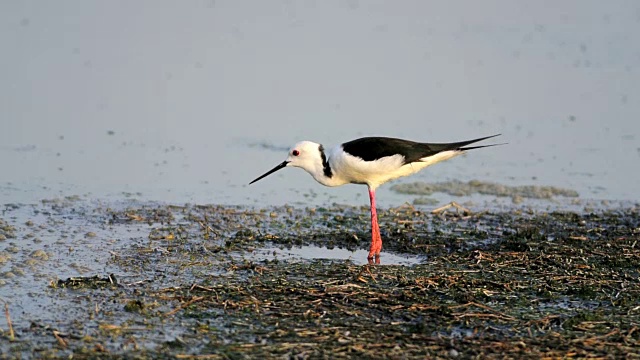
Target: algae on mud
pixel 459 188
pixel 511 284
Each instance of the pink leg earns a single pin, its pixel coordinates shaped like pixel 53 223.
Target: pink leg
pixel 376 240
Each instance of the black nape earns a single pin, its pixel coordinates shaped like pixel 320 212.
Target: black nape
pixel 325 164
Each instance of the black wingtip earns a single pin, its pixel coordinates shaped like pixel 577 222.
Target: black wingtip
pixel 464 147
pixel 481 146
pixel 460 145
pixel 485 138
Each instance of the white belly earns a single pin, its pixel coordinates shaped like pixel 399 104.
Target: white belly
pixel 351 169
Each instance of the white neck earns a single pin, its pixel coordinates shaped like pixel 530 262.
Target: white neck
pixel 318 173
pixel 320 167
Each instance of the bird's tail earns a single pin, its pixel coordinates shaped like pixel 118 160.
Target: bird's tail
pixel 462 145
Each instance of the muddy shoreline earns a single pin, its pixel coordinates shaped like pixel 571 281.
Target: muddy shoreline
pixel 143 280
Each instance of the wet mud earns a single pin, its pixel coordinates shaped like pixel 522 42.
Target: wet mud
pixel 142 280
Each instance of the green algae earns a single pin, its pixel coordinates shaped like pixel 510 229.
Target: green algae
pixel 459 188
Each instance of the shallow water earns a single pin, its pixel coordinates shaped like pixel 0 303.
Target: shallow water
pixel 161 111
pixel 59 239
pixel 305 253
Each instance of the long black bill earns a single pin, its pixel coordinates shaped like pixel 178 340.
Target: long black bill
pixel 280 166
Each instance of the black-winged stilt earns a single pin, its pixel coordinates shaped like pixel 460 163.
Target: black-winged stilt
pixel 371 161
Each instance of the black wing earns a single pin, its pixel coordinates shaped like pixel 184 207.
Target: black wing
pixel 374 148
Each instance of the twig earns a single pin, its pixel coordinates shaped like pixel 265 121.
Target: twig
pixel 194 300
pixel 61 341
pixel 359 276
pixel 203 356
pixel 198 287
pixel 483 315
pixel 454 204
pixel 469 304
pixel 370 273
pixel 6 313
pixel 139 282
pixel 410 221
pixel 595 338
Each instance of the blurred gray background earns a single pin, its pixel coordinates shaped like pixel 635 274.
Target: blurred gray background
pixel 190 100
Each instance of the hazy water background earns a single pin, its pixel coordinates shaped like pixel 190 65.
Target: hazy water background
pixel 188 101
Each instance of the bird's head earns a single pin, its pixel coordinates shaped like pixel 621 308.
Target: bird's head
pixel 305 154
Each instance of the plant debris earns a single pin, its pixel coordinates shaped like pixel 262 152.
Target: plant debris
pixel 87 282
pixel 493 284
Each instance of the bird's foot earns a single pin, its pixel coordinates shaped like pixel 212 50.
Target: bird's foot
pixel 374 252
pixel 373 259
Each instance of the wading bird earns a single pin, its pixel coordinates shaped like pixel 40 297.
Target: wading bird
pixel 370 161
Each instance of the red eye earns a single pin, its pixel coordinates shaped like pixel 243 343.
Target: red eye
pixel 295 153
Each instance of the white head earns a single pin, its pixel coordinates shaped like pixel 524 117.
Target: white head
pixel 306 155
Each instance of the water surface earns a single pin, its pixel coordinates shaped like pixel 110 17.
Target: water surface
pixel 188 102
